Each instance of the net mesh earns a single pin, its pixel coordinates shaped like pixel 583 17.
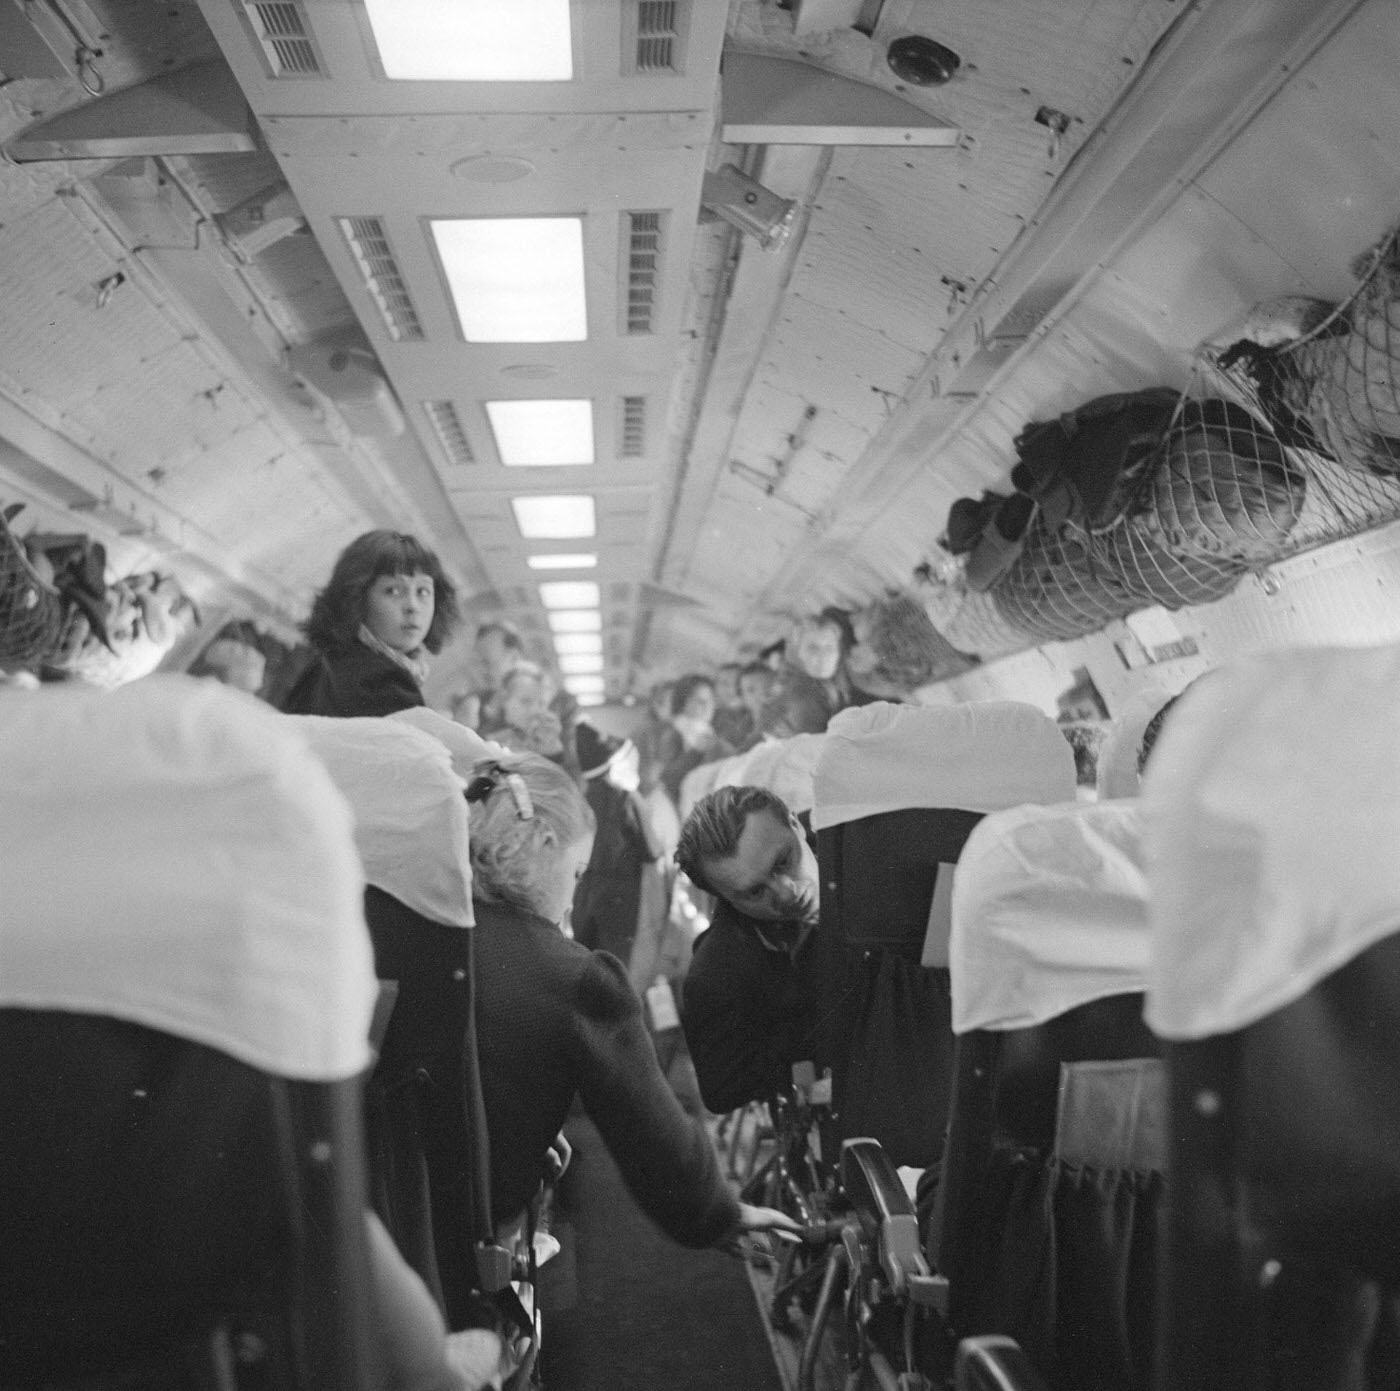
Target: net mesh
pixel 30 611
pixel 1271 450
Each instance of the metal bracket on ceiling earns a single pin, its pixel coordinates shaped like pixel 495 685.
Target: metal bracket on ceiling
pixel 198 110
pixel 780 101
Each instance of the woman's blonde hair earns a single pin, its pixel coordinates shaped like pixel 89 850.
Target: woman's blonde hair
pixel 519 804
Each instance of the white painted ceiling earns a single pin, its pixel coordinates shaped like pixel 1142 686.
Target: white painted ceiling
pixel 809 412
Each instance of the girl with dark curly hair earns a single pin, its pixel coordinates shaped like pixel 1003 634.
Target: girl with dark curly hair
pixel 387 606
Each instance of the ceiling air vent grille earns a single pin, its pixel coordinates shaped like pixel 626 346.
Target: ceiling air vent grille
pixel 655 37
pixel 643 243
pixel 280 28
pixel 383 279
pixel 447 426
pixel 632 437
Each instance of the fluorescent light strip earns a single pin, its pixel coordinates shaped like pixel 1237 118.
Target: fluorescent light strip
pixel 473 40
pixel 571 644
pixel 581 664
pixel 579 561
pixel 570 594
pixel 532 432
pixel 575 621
pixel 554 518
pixel 515 279
pixel 586 698
pixel 584 685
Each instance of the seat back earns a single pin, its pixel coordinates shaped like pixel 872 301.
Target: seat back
pixel 1048 961
pixel 185 995
pixel 428 1144
pixel 898 790
pixel 1276 979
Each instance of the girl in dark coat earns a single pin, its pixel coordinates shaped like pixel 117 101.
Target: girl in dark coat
pixel 387 606
pixel 556 1021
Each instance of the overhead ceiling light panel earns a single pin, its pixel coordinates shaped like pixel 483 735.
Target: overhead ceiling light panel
pixel 574 621
pixel 570 594
pixel 581 664
pixel 542 433
pixel 473 40
pixel 585 685
pixel 572 644
pixel 515 279
pixel 554 518
pixel 581 560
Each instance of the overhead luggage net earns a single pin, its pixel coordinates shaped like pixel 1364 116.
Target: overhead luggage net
pixel 1273 449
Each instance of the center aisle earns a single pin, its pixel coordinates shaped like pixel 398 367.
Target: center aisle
pixel 645 1314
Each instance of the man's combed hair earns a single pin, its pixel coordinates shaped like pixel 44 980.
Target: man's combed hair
pixel 506 848
pixel 715 823
pixel 339 609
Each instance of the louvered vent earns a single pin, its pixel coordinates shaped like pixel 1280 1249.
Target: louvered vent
pixel 383 279
pixel 281 29
pixel 632 437
pixel 658 36
pixel 447 426
pixel 643 242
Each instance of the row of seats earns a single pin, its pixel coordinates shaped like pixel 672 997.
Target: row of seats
pixel 198 893
pixel 188 987
pixel 1155 1035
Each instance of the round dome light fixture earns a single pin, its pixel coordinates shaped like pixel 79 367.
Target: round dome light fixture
pixel 921 61
pixel 493 169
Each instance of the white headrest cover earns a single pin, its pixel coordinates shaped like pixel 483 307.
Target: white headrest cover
pixel 1273 805
pixel 786 767
pixel 410 816
pixel 175 856
pixel 1049 912
pixel 976 757
pixel 1117 772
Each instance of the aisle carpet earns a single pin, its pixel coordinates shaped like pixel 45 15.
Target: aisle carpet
pixel 645 1314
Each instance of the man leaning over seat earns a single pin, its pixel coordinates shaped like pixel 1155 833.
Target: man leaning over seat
pixel 750 1005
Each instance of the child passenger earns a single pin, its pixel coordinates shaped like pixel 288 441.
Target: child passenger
pixel 387 606
pixel 557 1021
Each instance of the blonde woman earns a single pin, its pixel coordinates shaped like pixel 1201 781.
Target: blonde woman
pixel 556 1020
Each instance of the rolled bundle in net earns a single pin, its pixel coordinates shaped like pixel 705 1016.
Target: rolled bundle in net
pixel 31 613
pixel 1060 586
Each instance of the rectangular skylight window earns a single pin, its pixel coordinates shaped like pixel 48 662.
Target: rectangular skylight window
pixel 515 279
pixel 570 644
pixel 570 594
pixel 473 40
pixel 584 685
pixel 542 432
pixel 554 518
pixel 581 560
pixel 575 621
pixel 581 664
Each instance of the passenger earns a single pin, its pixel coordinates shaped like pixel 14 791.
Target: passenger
pixel 557 1021
pixel 750 1006
pixel 898 650
pixel 731 721
pixel 524 721
pixel 650 734
pixel 498 647
pixel 1153 731
pixel 623 884
pixel 387 606
pixel 755 687
pixel 691 739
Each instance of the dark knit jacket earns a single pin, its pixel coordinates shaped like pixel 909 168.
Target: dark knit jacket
pixel 352 680
pixel 749 1012
pixel 556 1020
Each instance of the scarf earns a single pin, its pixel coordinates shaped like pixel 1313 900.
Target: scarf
pixel 414 663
